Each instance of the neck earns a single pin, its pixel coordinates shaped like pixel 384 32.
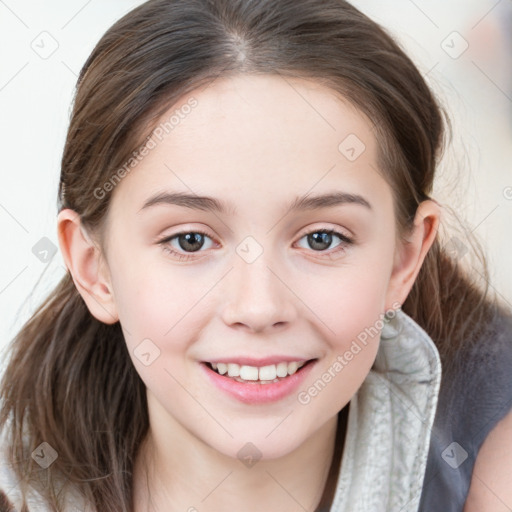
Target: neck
pixel 194 477
pixel 332 477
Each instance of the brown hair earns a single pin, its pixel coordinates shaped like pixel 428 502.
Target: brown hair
pixel 59 386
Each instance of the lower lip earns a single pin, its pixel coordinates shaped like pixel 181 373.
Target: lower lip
pixel 256 393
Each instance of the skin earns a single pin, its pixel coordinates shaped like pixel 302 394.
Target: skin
pixel 490 488
pixel 247 136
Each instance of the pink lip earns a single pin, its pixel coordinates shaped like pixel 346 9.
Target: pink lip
pixel 265 361
pixel 255 393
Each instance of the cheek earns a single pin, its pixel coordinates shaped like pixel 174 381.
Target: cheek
pixel 349 300
pixel 159 305
pixel 350 308
pixel 352 347
pixel 157 320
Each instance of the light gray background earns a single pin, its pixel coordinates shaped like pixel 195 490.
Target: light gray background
pixel 44 44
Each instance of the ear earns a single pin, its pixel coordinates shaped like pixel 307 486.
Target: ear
pixel 84 261
pixel 409 255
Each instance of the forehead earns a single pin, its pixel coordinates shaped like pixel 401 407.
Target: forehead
pixel 263 134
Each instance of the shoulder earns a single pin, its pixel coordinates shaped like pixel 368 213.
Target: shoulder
pixel 473 409
pixel 490 488
pixel 11 499
pixel 6 504
pixel 10 493
pixel 478 391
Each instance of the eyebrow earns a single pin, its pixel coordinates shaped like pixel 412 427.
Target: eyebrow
pixel 306 202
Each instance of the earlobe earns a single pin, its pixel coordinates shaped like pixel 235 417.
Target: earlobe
pixel 84 261
pixel 409 255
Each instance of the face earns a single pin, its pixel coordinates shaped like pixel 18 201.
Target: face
pixel 254 275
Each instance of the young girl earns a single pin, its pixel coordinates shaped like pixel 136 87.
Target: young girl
pixel 258 308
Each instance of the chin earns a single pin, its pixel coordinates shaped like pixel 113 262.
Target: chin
pixel 261 446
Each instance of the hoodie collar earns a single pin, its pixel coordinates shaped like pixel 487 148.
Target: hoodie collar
pixel 389 423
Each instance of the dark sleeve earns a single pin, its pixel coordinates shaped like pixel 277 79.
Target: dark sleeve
pixel 475 395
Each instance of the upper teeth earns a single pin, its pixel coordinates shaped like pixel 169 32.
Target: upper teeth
pixel 269 372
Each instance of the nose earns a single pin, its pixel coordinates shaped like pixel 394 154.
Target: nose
pixel 258 299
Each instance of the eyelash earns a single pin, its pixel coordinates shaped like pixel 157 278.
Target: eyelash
pixel 346 241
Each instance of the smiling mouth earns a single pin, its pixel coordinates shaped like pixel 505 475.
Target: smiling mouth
pixel 258 375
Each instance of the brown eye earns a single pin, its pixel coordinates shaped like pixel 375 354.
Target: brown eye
pixel 321 240
pixel 190 241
